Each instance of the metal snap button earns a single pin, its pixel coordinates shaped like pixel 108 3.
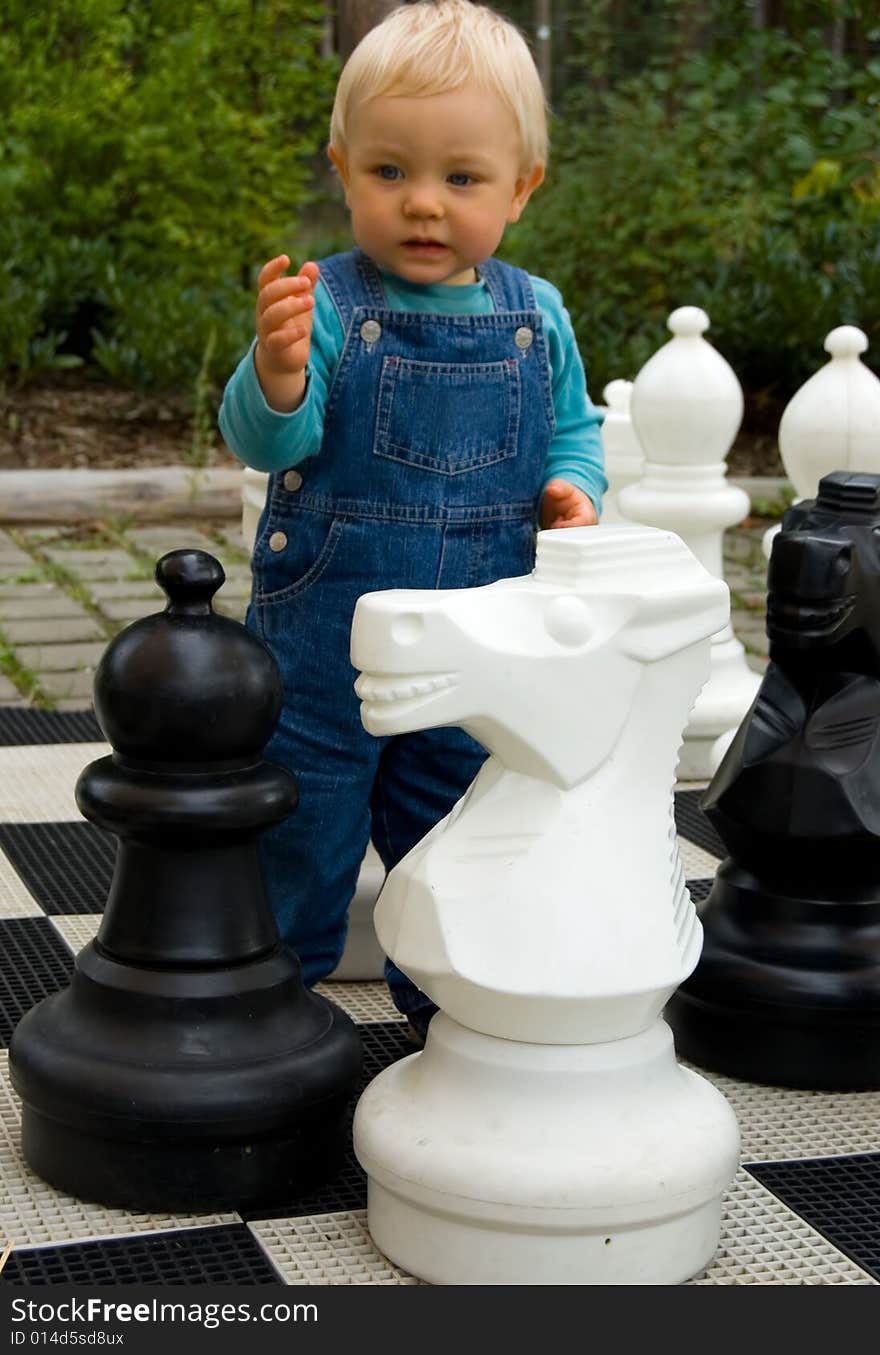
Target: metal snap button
pixel 371 330
pixel 277 541
pixel 292 480
pixel 523 338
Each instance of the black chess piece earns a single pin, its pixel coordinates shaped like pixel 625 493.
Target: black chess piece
pixel 788 987
pixel 186 1067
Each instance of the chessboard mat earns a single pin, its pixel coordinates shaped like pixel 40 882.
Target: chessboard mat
pixel 804 1207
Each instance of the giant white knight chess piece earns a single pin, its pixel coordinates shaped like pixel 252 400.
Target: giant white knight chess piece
pixel 546 1134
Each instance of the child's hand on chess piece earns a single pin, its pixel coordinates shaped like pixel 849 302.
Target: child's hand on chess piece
pixel 564 505
pixel 284 331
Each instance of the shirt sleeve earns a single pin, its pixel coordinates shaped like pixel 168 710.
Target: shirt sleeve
pixel 262 437
pixel 576 452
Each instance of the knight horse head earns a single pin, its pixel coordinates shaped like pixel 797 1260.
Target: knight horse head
pixel 823 606
pixel 808 750
pixel 521 663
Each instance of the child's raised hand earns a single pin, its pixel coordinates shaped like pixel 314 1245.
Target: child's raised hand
pixel 284 329
pixel 564 505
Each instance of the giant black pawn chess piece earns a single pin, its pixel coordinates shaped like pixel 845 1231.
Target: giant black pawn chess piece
pixel 186 1067
pixel 788 987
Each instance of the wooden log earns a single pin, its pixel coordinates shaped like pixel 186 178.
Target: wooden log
pixel 151 495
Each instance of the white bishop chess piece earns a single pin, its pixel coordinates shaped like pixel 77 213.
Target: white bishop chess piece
pixel 686 407
pixel 546 1133
pixel 833 421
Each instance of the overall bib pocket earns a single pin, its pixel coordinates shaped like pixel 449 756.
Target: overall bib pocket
pixel 292 553
pixel 446 417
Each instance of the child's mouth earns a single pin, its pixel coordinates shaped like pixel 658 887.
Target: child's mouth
pixel 425 246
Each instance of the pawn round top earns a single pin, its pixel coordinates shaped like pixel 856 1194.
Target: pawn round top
pixel 616 395
pixel 185 686
pixel 688 322
pixel 846 342
pixel 189 579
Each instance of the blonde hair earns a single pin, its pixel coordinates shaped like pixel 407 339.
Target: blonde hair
pixel 435 46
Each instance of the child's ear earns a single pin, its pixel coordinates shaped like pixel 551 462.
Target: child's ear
pixel 525 187
pixel 340 164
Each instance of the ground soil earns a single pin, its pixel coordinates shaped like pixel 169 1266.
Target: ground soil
pixel 72 420
pixel 68 420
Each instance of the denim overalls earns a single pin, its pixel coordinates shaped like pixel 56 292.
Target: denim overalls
pixel 436 435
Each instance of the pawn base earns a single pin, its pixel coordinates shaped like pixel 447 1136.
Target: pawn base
pixel 168 1177
pixel 161 1090
pixel 493 1161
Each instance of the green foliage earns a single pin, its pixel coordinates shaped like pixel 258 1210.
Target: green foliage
pixel 153 154
pixel 746 181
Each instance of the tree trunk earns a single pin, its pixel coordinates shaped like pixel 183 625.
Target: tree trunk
pixel 355 18
pixel 838 35
pixel 544 45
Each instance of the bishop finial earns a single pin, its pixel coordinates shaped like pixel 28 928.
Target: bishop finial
pixel 846 342
pixel 688 322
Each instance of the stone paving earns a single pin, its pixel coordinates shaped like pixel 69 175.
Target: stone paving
pixel 66 591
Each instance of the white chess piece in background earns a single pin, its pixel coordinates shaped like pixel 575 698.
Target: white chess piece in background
pixel 833 421
pixel 254 487
pixel 624 458
pixel 687 406
pixel 546 1134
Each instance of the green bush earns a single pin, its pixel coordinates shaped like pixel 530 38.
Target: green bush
pixel 748 184
pixel 154 152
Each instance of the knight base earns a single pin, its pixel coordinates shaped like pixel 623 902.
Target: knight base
pixel 492 1161
pixel 787 991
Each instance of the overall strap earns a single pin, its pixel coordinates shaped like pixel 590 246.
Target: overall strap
pixel 510 287
pixel 352 280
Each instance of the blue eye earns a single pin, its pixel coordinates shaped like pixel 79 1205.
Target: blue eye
pixel 389 172
pixel 460 180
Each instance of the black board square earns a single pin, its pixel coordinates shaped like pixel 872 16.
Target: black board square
pixel 383 1043
pixel 838 1196
pixel 699 889
pixel 692 823
pixel 23 725
pixel 67 867
pixel 34 962
pixel 224 1254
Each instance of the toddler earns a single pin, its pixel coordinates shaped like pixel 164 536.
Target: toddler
pixel 421 406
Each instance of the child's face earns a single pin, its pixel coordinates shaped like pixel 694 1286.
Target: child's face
pixel 432 182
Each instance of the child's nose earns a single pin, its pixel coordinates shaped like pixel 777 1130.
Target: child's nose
pixel 423 200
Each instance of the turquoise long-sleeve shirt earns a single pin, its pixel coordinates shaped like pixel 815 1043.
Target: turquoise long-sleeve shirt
pixel 267 440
